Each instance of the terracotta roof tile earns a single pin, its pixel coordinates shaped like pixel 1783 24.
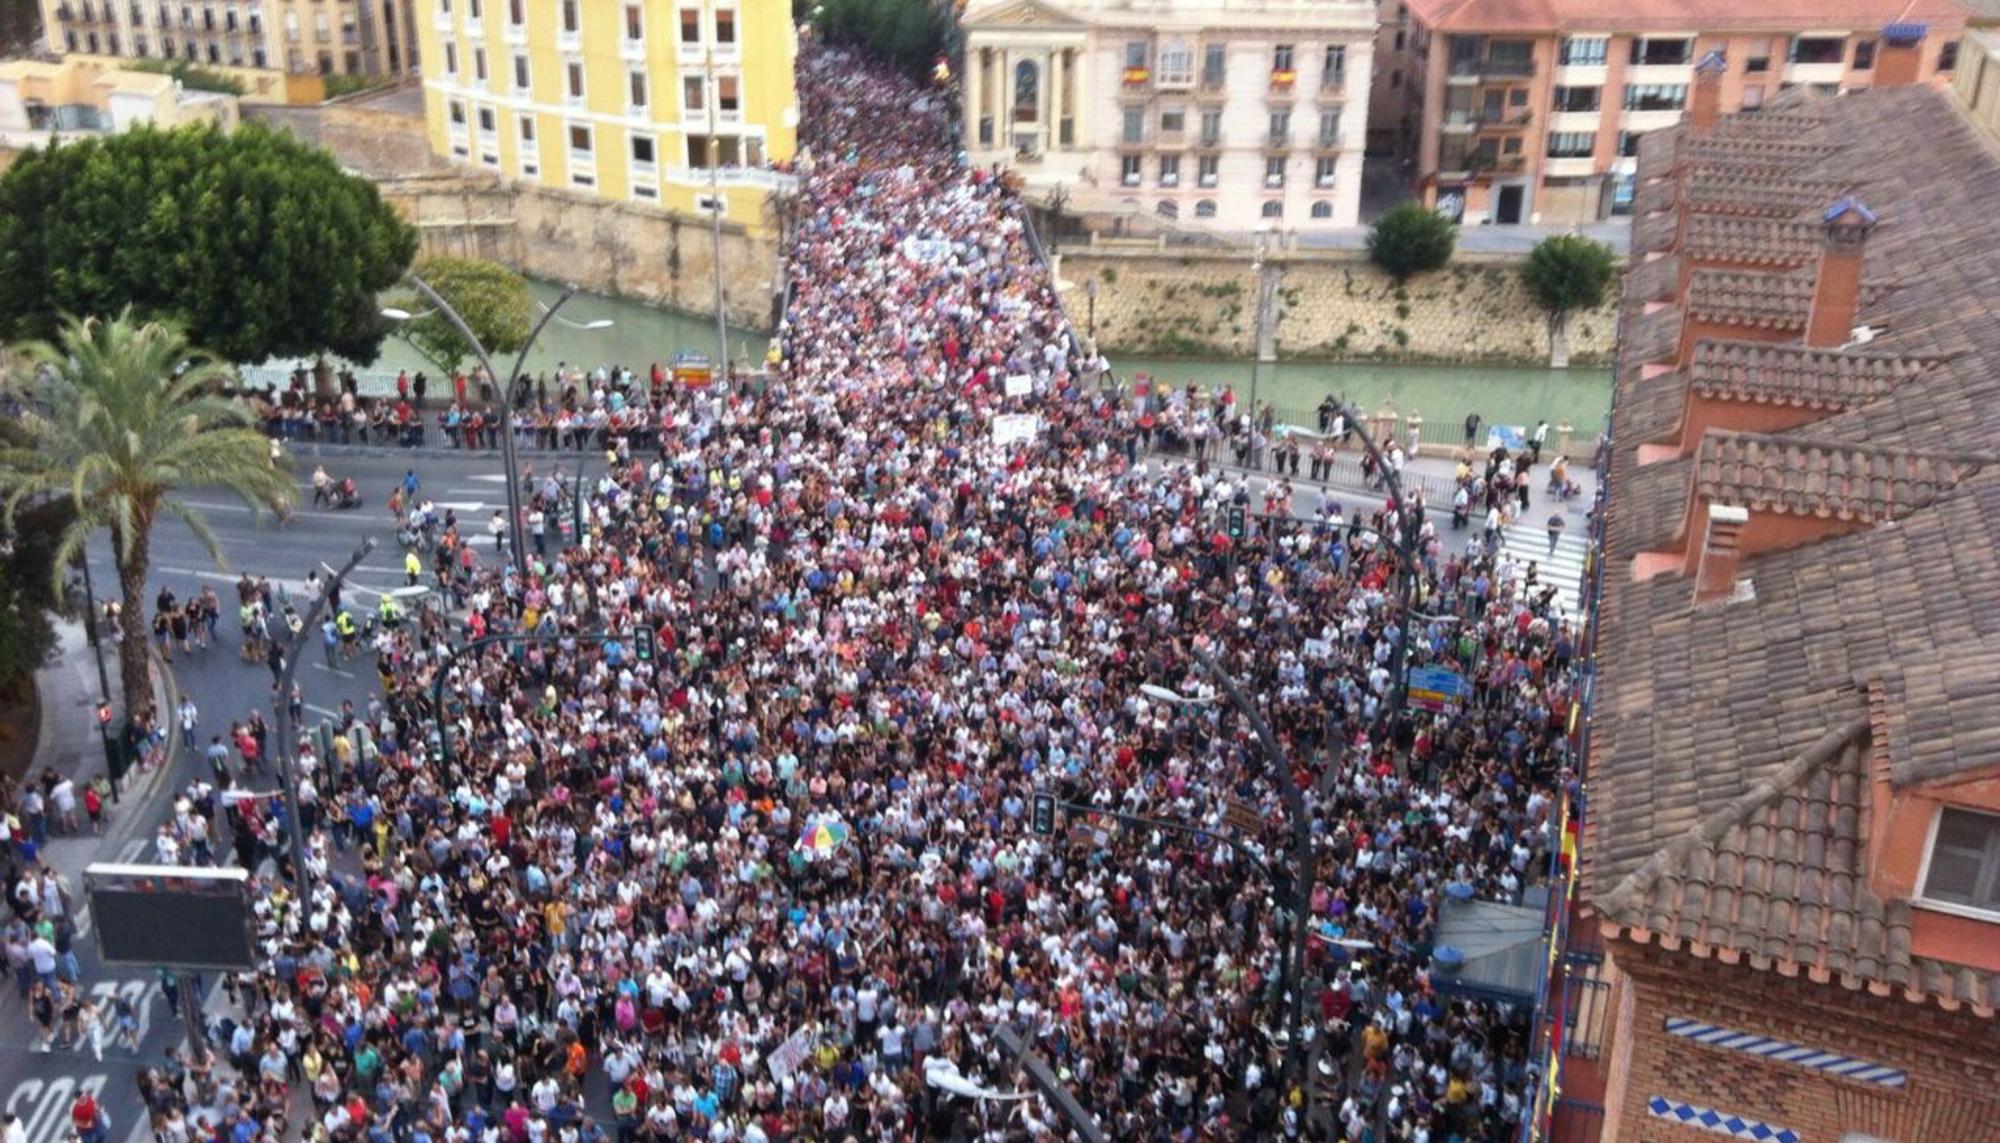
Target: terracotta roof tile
pixel 1768 196
pixel 1529 16
pixel 1802 476
pixel 1726 742
pixel 1764 299
pixel 1771 241
pixel 1796 376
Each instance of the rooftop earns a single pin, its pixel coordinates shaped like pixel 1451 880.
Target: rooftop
pixel 1529 16
pixel 1731 744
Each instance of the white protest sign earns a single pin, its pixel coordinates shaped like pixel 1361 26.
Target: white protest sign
pixel 1019 385
pixel 1009 428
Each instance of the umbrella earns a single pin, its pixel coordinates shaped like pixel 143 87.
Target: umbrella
pixel 825 837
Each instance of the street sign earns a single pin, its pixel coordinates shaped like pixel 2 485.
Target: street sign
pixel 1242 817
pixel 1433 687
pixel 1045 814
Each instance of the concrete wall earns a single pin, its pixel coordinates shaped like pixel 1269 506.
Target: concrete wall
pixel 604 247
pixel 1332 304
pixel 365 136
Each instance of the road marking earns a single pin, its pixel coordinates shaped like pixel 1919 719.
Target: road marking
pixel 355 514
pixel 335 671
pixel 292 587
pixel 330 713
pixel 486 478
pixel 462 505
pixel 43 1106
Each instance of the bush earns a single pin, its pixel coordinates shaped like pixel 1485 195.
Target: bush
pixel 191 77
pixel 1410 239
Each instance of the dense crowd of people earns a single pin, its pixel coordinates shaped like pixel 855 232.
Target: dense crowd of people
pixel 740 845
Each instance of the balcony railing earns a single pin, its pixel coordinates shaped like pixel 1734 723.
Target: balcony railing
pixel 1138 76
pixel 1283 80
pixel 1502 67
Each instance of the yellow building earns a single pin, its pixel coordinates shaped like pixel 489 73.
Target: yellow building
pixel 618 98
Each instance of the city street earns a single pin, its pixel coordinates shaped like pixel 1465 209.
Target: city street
pixel 39 1087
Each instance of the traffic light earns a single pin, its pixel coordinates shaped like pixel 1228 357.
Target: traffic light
pixel 642 643
pixel 1236 521
pixel 1045 814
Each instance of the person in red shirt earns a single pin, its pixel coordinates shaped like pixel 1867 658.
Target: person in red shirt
pixel 89 1121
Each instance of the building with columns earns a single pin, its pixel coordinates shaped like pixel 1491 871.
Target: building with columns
pixel 1222 115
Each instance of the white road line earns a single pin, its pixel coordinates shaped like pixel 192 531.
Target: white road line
pixel 43 1106
pixel 462 505
pixel 335 671
pixel 327 711
pixel 486 478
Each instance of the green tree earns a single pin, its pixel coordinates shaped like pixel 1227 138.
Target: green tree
pixel 908 34
pixel 119 418
pixel 256 245
pixel 492 299
pixel 1409 239
pixel 1565 273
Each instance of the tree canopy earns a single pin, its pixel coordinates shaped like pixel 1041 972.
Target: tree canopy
pixel 1409 239
pixel 1567 272
pixel 255 244
pixel 906 33
pixel 119 418
pixel 492 299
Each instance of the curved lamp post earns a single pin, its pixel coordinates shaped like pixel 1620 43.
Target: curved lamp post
pixel 516 539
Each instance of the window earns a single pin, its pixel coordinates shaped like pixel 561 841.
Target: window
pixel 635 22
pixel 1322 209
pixel 521 73
pixel 479 64
pixel 1205 208
pixel 517 12
pixel 1864 55
pixel 1173 121
pixel 1211 128
pixel 643 150
pixel 1128 170
pixel 1281 57
pixel 1964 864
pixel 1655 96
pixel 472 9
pixel 450 58
pixel 1578 98
pixel 487 122
pixel 1323 171
pixel 637 80
pixel 572 18
pixel 1134 126
pixel 1214 66
pixel 1333 70
pixel 727 101
pixel 692 92
pixel 1759 58
pixel 1170 170
pixel 725 26
pixel 1135 54
pixel 1177 62
pixel 457 111
pixel 1208 170
pixel 573 82
pixel 1273 209
pixel 1948 56
pixel 1753 96
pixel 1281 128
pixel 579 139
pixel 1818 49
pixel 1329 128
pixel 1167 208
pixel 1674 50
pixel 1570 144
pixel 1628 144
pixel 1274 171
pixel 690 25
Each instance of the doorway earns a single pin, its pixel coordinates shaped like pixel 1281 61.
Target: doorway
pixel 1508 210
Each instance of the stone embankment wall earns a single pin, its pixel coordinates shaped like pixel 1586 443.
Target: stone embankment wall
pixel 604 247
pixel 1328 304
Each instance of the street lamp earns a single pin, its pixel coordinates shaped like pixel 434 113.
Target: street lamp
pixel 517 540
pixel 288 742
pixel 1292 972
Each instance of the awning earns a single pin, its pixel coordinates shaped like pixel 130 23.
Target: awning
pixel 1505 950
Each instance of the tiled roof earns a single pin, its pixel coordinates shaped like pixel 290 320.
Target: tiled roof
pixel 1771 241
pixel 1769 196
pixel 1653 280
pixel 1764 299
pixel 1796 376
pixel 1728 812
pixel 1800 476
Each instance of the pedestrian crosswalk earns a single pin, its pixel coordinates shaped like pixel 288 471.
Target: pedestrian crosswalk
pixel 1528 542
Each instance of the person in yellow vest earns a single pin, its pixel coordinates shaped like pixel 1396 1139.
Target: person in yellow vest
pixel 413 566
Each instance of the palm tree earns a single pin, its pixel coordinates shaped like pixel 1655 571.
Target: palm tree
pixel 120 417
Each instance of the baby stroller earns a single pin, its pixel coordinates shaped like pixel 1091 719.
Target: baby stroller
pixel 346 495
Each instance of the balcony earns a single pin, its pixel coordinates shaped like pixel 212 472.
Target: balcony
pixel 1172 180
pixel 1138 76
pixel 475 27
pixel 515 35
pixel 1131 179
pixel 569 40
pixel 1491 67
pixel 1176 80
pixel 441 20
pixel 1211 90
pixel 1512 119
pixel 1173 140
pixel 1284 83
pixel 1274 182
pixel 632 51
pixel 1331 94
pixel 1509 164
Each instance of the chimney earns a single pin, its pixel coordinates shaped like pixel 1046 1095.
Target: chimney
pixel 1900 58
pixel 1705 104
pixel 1837 290
pixel 1715 576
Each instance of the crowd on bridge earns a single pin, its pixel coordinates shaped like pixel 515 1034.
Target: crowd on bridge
pixel 736 841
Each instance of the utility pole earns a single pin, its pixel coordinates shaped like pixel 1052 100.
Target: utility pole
pixel 288 743
pixel 715 203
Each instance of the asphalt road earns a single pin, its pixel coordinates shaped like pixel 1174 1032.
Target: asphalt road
pixel 39 1087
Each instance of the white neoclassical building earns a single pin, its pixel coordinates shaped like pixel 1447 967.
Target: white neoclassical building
pixel 1228 115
